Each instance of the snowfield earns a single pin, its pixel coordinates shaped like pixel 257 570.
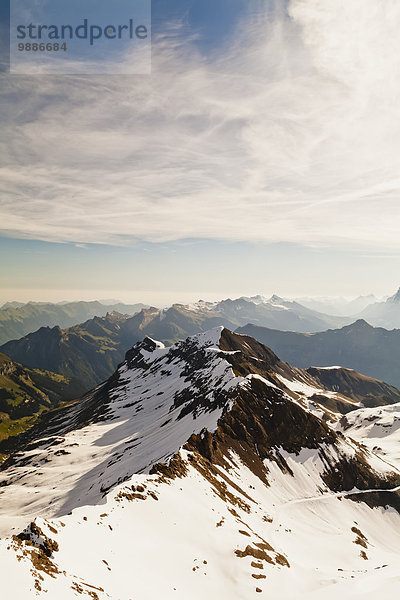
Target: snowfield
pixel 184 544
pixel 378 429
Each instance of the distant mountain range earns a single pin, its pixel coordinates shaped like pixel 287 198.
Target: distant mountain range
pixel 384 314
pixel 17 320
pixel 377 313
pixel 373 351
pixel 306 316
pixel 278 313
pixel 339 306
pixel 91 351
pixel 181 320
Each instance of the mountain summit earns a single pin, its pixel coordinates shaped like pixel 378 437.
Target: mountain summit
pixel 210 462
pixel 384 314
pixel 395 299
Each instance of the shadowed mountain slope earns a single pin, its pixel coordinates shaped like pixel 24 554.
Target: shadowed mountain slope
pixel 373 351
pixel 25 394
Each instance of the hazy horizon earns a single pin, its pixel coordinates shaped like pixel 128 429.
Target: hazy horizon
pixel 122 296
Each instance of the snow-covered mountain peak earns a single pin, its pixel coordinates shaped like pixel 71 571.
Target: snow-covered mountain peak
pixel 275 299
pixel 395 299
pixel 258 299
pixel 146 411
pixel 208 338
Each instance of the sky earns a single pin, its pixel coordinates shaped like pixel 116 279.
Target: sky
pixel 262 155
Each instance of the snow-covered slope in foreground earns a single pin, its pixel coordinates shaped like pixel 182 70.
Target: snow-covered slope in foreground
pixel 191 474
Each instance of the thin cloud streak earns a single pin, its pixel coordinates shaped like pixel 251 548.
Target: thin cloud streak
pixel 293 135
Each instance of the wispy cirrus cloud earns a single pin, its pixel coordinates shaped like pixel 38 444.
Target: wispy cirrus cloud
pixel 292 134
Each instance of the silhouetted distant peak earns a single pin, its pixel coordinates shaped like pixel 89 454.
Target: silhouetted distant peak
pixel 395 299
pixel 276 299
pixel 360 324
